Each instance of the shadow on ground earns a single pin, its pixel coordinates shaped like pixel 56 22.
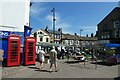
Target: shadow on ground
pixel 43 70
pixel 33 67
pixel 37 69
pixel 117 78
pixel 104 64
pixel 73 62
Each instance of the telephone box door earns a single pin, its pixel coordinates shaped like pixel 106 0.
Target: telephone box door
pixel 30 50
pixel 13 55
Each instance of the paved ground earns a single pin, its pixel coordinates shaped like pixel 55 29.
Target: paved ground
pixel 0 69
pixel 66 70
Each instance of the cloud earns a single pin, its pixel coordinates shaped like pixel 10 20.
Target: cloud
pixel 49 17
pixel 39 12
pixel 60 23
pixel 88 30
pixel 36 9
pixel 57 17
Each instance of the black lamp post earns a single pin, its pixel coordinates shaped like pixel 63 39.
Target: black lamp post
pixel 61 34
pixel 80 32
pixel 80 36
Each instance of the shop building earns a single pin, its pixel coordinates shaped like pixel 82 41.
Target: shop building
pixel 14 19
pixel 109 27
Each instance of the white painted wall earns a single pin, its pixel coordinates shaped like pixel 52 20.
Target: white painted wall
pixel 44 36
pixel 0 11
pixel 14 14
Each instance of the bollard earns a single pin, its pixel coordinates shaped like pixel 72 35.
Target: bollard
pixel 84 61
pixel 96 64
pixel 1 59
pixel 1 55
pixel 48 61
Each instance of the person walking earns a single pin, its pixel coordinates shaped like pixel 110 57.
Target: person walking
pixel 68 55
pixel 53 59
pixel 62 53
pixel 41 57
pixel 58 52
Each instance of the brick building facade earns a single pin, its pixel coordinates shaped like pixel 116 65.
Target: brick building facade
pixel 109 27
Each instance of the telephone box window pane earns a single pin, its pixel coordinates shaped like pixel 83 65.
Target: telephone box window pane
pixel 30 52
pixel 41 39
pixel 14 51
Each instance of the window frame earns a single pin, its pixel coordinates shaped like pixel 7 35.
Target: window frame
pixel 41 39
pixel 116 24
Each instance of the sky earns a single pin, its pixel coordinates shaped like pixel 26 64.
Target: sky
pixel 70 16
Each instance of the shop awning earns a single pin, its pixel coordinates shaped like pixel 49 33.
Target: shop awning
pixel 112 45
pixel 45 44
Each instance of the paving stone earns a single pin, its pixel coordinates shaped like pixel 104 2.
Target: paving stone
pixel 11 70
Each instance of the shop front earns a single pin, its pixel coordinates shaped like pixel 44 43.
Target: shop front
pixel 4 43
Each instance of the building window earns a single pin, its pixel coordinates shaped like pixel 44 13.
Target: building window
pixel 105 26
pixel 76 41
pixel 57 42
pixel 40 32
pixel 71 42
pixel 102 36
pixel 46 39
pixel 41 39
pixel 105 36
pixel 108 36
pixel 66 42
pixel 117 34
pixel 116 24
pixel 57 36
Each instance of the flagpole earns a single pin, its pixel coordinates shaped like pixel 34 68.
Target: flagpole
pixel 53 25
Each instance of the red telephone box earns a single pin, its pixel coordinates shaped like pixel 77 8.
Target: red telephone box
pixel 30 50
pixel 13 55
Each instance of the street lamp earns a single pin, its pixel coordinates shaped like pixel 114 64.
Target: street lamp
pixel 80 35
pixel 61 35
pixel 61 38
pixel 80 32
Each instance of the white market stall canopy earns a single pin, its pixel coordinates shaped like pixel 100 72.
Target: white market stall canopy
pixel 45 44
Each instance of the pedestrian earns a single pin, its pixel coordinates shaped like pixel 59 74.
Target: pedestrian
pixel 53 59
pixel 41 57
pixel 62 53
pixel 68 55
pixel 58 52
